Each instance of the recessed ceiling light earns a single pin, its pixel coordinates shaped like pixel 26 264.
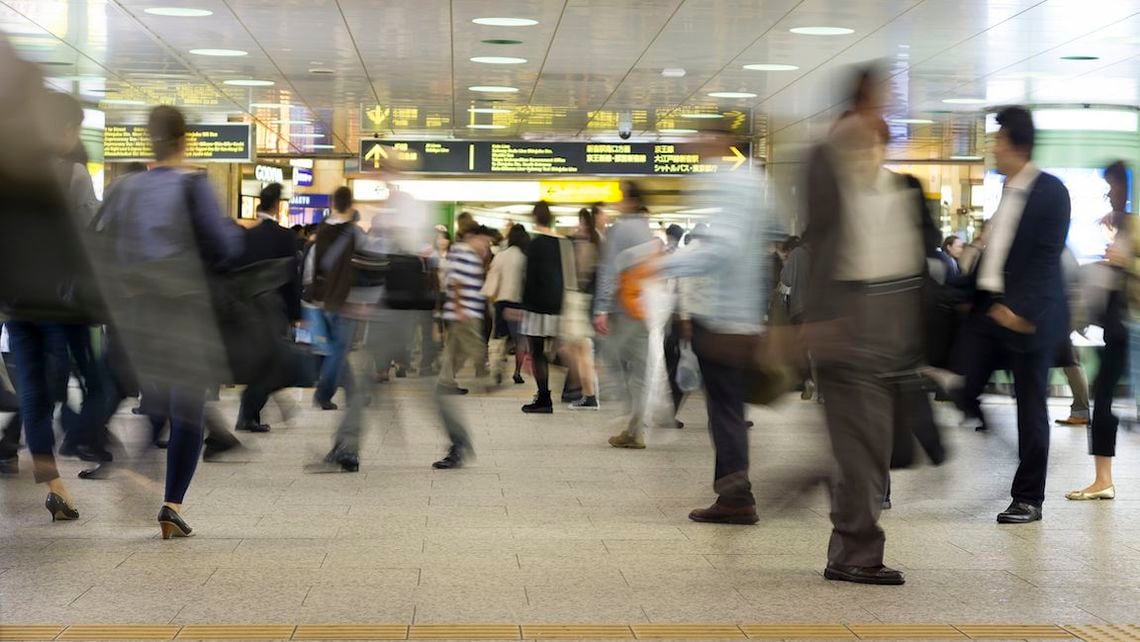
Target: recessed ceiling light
pixel 485 126
pixel 1080 58
pixel 702 116
pixel 498 60
pixel 501 41
pixel 249 82
pixel 57 63
pixel 912 121
pixel 223 53
pixel 770 67
pixel 122 101
pixel 505 22
pixel 494 89
pixel 964 101
pixel 179 12
pixel 322 71
pixel 673 72
pixel 674 130
pixel 488 110
pixel 822 31
pixel 316 146
pixel 305 135
pixel 966 158
pixel 732 94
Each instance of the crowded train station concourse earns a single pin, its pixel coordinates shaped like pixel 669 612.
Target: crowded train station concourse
pixel 569 319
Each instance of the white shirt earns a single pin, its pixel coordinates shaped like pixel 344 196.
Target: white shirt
pixel 880 234
pixel 1003 227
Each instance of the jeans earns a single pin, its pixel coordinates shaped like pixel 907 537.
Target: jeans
pixel 185 408
pixel 37 350
pixel 334 368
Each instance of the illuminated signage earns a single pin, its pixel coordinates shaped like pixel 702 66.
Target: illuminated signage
pixel 580 191
pixel 302 177
pixel 269 174
pixel 557 158
pixel 228 143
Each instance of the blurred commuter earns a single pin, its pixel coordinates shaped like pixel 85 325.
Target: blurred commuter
pixel 1068 356
pixel 264 242
pixel 504 288
pixel 793 288
pixel 543 292
pixel 1019 314
pixel 464 307
pixel 1113 357
pixel 949 254
pixel 863 320
pixel 168 232
pixel 676 330
pixel 577 327
pixel 619 312
pixel 332 280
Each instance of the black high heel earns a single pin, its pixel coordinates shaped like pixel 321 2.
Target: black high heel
pixel 172 524
pixel 60 510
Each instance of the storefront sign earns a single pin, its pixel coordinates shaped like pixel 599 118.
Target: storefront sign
pixel 525 157
pixel 228 143
pixel 302 177
pixel 269 174
pixel 580 191
pixel 310 200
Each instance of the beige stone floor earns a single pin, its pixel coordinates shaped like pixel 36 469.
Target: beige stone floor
pixel 550 525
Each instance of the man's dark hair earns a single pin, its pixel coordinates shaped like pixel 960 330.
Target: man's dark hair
pixel 63 109
pixel 1116 172
pixel 863 85
pixel 542 214
pixel 342 199
pixel 298 229
pixel 1017 123
pixel 675 231
pixel 166 127
pixel 950 241
pixel 632 191
pixel 269 197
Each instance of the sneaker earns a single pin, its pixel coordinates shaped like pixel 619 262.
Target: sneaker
pixel 626 440
pixel 585 403
pixel 542 405
pixel 571 396
pixel 454 459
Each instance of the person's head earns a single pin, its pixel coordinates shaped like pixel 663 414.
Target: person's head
pixel 311 230
pixel 298 230
pixel 632 198
pixel 465 221
pixel 442 241
pixel 868 92
pixel 67 114
pixel 953 246
pixel 135 167
pixel 166 127
pixel 542 215
pixel 588 225
pixel 480 239
pixel 269 199
pixel 861 141
pixel 1116 175
pixel 601 219
pixel 342 200
pixel 1013 143
pixel 517 237
pixel 673 234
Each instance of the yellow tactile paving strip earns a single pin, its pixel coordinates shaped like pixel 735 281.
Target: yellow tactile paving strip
pixel 1086 633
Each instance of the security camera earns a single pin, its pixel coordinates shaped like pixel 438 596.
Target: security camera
pixel 625 125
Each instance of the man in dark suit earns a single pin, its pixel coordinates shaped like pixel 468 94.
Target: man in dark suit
pixel 267 241
pixel 1020 316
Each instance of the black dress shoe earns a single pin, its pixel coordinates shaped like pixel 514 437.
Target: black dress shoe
pixel 10 466
pixel 60 510
pixel 451 390
pixel 216 446
pixel 1020 513
pixel 346 461
pixel 172 525
pixel 324 405
pixel 101 470
pixel 252 426
pixel 721 514
pixel 455 458
pixel 880 575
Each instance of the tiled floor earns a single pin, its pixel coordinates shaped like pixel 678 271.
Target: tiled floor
pixel 551 526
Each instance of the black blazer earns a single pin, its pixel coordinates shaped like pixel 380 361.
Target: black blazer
pixel 1034 283
pixel 268 240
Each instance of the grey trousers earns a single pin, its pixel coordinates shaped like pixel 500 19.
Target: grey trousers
pixel 625 351
pixel 387 335
pixel 882 336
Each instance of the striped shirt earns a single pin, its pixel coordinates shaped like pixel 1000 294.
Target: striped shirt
pixel 463 278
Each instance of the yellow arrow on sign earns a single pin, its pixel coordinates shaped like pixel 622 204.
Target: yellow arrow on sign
pixel 375 154
pixel 377 115
pixel 738 157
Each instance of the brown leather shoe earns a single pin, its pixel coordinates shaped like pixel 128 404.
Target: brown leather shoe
pixel 1073 421
pixel 720 514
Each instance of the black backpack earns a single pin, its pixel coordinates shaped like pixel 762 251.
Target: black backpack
pixel 410 283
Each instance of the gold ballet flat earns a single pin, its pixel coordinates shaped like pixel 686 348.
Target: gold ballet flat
pixel 1080 496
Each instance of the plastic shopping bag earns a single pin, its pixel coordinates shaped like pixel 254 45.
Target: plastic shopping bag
pixel 688 369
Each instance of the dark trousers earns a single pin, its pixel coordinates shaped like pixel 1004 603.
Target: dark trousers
pixel 724 397
pixel 38 350
pixel 10 433
pixel 1113 363
pixel 185 409
pixel 981 348
pixel 913 420
pixel 672 360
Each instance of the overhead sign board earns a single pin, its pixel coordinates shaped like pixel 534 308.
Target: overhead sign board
pixel 557 158
pixel 222 143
